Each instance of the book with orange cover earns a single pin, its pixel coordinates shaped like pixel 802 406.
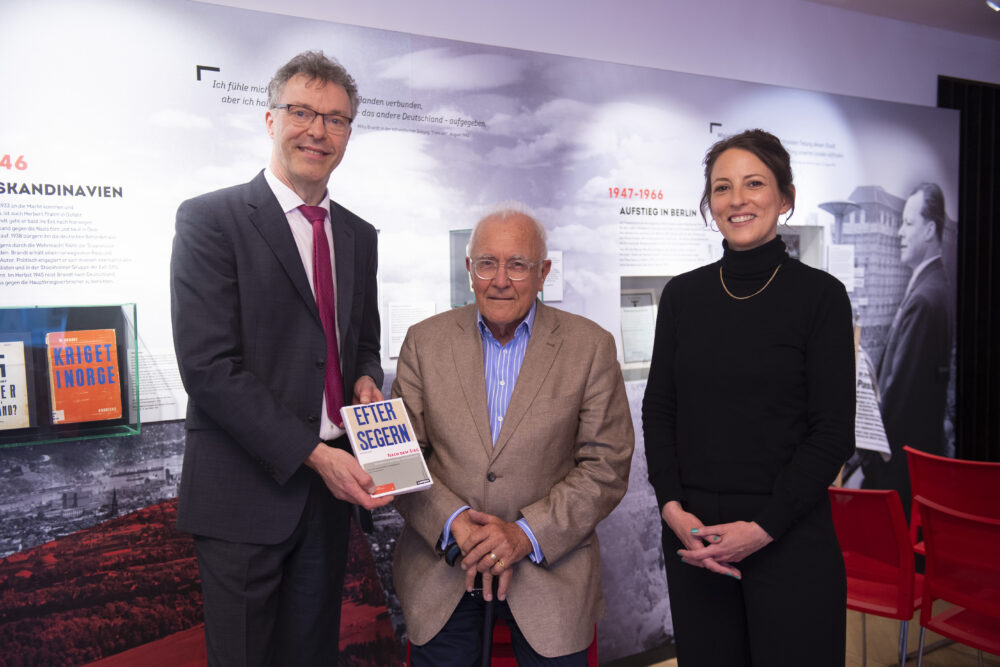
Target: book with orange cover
pixel 84 378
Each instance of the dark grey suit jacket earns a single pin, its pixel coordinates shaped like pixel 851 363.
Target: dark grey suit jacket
pixel 251 351
pixel 913 379
pixel 913 375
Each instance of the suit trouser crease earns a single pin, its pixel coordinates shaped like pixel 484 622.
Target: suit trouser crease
pixel 279 603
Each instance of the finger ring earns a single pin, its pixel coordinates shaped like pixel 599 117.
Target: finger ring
pixel 493 555
pixel 500 563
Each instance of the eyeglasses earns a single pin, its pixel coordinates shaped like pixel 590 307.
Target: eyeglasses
pixel 516 269
pixel 303 116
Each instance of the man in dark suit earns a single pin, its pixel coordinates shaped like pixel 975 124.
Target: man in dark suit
pixel 273 331
pixel 913 374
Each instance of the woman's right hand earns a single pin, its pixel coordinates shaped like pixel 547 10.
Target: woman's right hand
pixel 684 524
pixel 691 532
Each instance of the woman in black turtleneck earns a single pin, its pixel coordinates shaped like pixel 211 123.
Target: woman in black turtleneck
pixel 748 416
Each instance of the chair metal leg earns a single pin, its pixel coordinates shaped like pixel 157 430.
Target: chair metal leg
pixel 920 649
pixel 904 630
pixel 980 659
pixel 864 643
pixel 930 648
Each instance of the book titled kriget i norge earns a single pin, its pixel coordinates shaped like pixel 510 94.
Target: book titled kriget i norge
pixel 84 379
pixel 386 446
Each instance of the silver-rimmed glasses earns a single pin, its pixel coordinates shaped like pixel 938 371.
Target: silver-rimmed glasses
pixel 303 116
pixel 516 269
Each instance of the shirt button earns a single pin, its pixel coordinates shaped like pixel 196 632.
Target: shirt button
pixel 502 383
pixel 499 419
pixel 491 477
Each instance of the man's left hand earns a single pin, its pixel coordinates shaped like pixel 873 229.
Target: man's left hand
pixel 493 549
pixel 366 391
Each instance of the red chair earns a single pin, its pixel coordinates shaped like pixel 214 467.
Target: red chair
pixel 878 556
pixel 963 569
pixel 967 486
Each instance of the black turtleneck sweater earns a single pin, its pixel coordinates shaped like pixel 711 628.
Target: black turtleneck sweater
pixel 751 396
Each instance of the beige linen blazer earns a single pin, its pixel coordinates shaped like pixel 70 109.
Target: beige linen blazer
pixel 561 461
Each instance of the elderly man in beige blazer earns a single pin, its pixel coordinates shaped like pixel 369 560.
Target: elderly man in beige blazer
pixel 521 411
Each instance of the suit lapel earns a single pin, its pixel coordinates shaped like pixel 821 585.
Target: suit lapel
pixel 467 351
pixel 344 254
pixel 885 371
pixel 885 367
pixel 272 223
pixel 541 353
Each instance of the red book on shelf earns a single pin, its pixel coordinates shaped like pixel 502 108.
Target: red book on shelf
pixel 84 378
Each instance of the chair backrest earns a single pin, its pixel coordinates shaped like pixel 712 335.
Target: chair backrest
pixel 972 487
pixel 963 566
pixel 871 529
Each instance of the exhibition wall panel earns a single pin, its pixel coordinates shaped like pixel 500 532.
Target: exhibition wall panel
pixel 128 108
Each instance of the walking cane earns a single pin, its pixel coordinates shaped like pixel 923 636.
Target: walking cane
pixel 451 556
pixel 488 625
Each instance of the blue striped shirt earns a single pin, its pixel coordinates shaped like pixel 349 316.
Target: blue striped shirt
pixel 502 365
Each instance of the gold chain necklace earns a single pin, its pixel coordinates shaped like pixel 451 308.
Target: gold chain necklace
pixel 742 298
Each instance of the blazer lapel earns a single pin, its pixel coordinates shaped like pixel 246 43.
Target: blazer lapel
pixel 885 369
pixel 467 351
pixel 344 253
pixel 272 223
pixel 541 353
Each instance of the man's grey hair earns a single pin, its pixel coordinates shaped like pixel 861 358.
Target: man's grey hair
pixel 316 66
pixel 506 211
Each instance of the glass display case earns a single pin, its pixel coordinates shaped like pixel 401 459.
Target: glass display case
pixel 68 373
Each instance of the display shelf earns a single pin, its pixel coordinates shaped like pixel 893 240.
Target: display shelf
pixel 68 373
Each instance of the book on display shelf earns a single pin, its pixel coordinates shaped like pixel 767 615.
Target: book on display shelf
pixel 14 397
pixel 84 378
pixel 385 445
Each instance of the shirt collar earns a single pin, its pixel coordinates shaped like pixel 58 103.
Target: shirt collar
pixel 923 264
pixel 526 324
pixel 287 198
pixel 917 271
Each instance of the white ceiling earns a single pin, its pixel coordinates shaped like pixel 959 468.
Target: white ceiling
pixel 971 17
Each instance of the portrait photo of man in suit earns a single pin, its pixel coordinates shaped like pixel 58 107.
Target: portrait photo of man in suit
pixel 276 326
pixel 914 371
pixel 521 411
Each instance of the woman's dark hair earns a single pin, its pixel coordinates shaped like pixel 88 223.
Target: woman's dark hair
pixel 768 150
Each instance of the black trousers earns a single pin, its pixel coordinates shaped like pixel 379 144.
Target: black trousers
pixel 278 604
pixel 790 607
pixel 460 641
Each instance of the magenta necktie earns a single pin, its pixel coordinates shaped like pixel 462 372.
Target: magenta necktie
pixel 325 301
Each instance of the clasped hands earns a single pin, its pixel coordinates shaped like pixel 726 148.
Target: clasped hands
pixel 714 548
pixel 490 546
